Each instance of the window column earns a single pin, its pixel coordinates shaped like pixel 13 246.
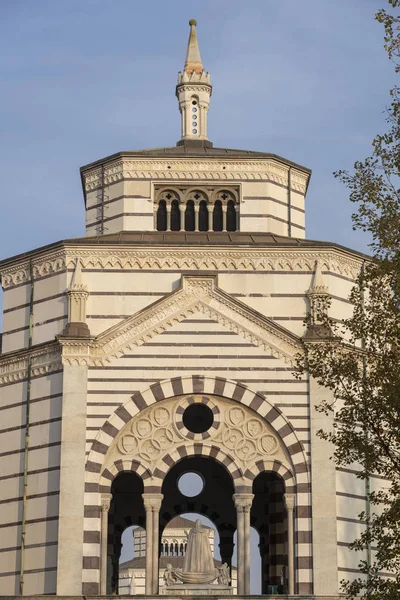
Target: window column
pixel 243 504
pixel 289 504
pixel 224 209
pixel 152 505
pixel 182 209
pixel 168 216
pixel 105 507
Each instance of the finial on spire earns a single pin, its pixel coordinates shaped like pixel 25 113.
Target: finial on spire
pixel 193 92
pixel 193 58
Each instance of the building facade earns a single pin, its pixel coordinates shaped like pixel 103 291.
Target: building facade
pixel 165 342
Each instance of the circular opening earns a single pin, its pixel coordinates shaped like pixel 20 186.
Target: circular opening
pixel 198 418
pixel 194 131
pixel 194 102
pixel 190 484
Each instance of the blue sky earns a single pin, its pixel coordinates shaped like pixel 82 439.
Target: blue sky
pixel 83 79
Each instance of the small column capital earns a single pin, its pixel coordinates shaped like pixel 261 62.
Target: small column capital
pixel 243 502
pixel 106 502
pixel 290 500
pixel 152 501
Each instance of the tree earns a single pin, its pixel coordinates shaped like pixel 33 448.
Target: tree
pixel 359 359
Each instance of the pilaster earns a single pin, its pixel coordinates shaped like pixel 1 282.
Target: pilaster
pixel 72 481
pixel 323 476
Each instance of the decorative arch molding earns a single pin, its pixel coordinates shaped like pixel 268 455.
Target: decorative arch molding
pixel 216 386
pixel 196 294
pixel 153 482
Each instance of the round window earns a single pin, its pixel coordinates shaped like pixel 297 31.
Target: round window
pixel 194 102
pixel 198 418
pixel 190 484
pixel 194 130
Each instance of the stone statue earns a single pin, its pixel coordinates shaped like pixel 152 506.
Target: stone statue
pixel 224 576
pixel 198 557
pixel 198 567
pixel 169 575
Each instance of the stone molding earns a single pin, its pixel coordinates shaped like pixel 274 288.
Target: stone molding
pixel 152 501
pixel 197 294
pixel 243 437
pixel 106 502
pixel 243 502
pixel 166 258
pixel 196 169
pixel 44 361
pixel 289 500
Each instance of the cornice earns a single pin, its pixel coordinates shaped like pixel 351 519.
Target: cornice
pixel 197 294
pixel 334 260
pixel 44 360
pixel 196 169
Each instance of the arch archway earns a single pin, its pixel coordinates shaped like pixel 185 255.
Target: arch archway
pixel 292 466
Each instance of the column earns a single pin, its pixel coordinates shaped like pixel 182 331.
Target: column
pixel 289 504
pixel 323 499
pixel 152 504
pixel 243 504
pixel 182 208
pixel 105 507
pixel 210 216
pixel 196 216
pixel 72 481
pixel 168 216
pixel 224 209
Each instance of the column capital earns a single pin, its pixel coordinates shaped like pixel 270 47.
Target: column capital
pixel 152 501
pixel 243 502
pixel 106 502
pixel 290 500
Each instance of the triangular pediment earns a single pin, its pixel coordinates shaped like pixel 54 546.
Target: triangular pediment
pixel 197 294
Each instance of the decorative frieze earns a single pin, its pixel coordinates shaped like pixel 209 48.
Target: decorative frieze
pixel 15 368
pixel 195 170
pixel 210 258
pixel 157 431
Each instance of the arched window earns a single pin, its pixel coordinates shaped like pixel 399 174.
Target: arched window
pixel 230 216
pixel 162 216
pixel 189 216
pixel 175 216
pixel 217 216
pixel 203 216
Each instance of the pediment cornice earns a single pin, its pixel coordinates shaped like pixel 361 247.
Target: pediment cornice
pixel 197 294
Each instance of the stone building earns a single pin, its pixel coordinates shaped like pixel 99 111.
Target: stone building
pixel 163 342
pixel 132 573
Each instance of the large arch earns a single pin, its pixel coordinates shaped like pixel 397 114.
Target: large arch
pixel 295 475
pixel 195 384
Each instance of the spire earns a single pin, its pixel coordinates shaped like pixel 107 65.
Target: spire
pixel 318 297
pixel 193 92
pixel 193 58
pixel 318 285
pixel 77 295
